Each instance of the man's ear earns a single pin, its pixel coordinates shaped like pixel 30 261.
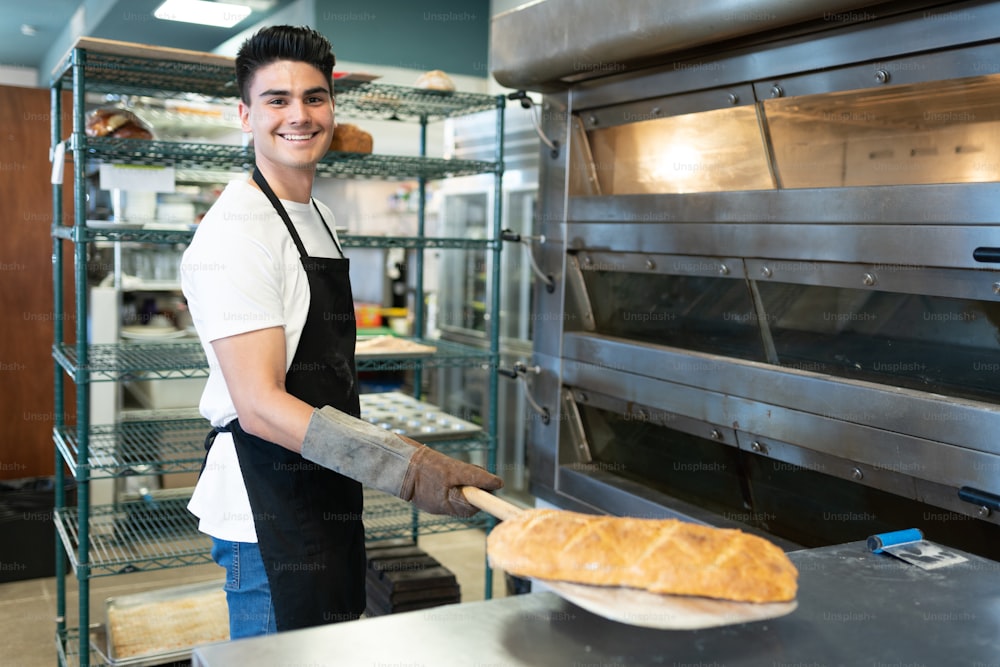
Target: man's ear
pixel 244 111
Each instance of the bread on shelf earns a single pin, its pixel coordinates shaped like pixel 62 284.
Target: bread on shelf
pixel 350 138
pixel 435 80
pixel 118 123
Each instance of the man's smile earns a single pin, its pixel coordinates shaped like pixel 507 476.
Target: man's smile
pixel 298 137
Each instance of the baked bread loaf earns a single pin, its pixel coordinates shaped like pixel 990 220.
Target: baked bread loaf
pixel 115 122
pixel 351 139
pixel 435 80
pixel 664 556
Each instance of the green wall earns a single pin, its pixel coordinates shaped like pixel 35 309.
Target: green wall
pixel 450 35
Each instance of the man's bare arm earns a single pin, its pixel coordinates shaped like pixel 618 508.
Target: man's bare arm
pixel 253 365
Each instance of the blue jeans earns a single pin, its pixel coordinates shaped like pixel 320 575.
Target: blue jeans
pixel 248 594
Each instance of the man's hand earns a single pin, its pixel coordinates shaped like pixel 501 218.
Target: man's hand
pixel 434 482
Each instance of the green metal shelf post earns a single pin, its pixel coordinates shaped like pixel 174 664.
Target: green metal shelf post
pixel 59 406
pixel 497 248
pixel 81 378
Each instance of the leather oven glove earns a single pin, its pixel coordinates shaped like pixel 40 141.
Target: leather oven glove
pixel 387 462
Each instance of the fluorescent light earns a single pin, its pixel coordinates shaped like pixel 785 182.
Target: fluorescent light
pixel 220 14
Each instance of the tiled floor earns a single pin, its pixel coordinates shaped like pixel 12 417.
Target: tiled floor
pixel 27 608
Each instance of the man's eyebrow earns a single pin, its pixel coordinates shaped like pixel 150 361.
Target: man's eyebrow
pixel 274 92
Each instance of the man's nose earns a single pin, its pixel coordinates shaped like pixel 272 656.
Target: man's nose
pixel 299 111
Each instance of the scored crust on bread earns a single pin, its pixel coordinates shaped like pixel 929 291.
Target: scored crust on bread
pixel 664 556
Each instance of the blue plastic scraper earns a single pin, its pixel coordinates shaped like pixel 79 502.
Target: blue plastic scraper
pixel 909 545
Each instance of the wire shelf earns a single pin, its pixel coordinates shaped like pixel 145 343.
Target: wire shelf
pixel 399 167
pixel 182 154
pixel 413 242
pixel 160 446
pixel 135 361
pixel 392 102
pixel 160 534
pixel 166 446
pixel 127 233
pixel 446 355
pixel 155 77
pixel 68 649
pixel 172 236
pixel 225 157
pixel 214 78
pixel 135 537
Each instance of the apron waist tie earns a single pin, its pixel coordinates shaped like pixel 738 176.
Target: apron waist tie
pixel 210 440
pixel 216 430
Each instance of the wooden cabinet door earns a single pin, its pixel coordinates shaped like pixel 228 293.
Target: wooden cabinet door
pixel 26 317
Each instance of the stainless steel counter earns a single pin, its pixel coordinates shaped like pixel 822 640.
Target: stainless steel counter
pixel 855 608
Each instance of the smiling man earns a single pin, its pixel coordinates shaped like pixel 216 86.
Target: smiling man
pixel 268 288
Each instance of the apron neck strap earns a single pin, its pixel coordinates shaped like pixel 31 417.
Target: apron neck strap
pixel 279 208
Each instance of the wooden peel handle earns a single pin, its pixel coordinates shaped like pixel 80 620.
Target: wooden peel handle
pixel 490 504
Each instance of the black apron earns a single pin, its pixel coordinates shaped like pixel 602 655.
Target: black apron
pixel 308 518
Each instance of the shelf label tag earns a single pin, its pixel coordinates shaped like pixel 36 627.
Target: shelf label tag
pixel 137 178
pixel 58 162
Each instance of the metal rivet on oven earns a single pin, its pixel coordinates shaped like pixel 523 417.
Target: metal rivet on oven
pixel 582 396
pixel 656 111
pixel 765 271
pixel 650 264
pixel 587 260
pixel 996 288
pixel 592 120
pixel 733 98
pixel 716 434
pixel 777 91
pixel 723 270
pixel 758 447
pixel 857 474
pixel 869 279
pixel 984 512
pixel 882 76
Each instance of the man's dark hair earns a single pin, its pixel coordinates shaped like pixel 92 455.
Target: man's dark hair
pixel 282 42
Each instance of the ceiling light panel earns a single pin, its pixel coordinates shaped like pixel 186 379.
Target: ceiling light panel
pixel 219 14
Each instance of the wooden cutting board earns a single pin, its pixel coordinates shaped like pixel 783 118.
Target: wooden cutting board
pixel 638 607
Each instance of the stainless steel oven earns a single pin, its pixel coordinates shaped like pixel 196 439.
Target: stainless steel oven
pixel 774 236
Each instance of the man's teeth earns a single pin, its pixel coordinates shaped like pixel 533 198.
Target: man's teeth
pixel 297 137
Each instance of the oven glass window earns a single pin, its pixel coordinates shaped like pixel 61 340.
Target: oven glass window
pixel 936 132
pixel 682 465
pixel 937 344
pixel 698 313
pixel 710 151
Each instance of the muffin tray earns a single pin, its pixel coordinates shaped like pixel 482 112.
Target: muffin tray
pixel 405 415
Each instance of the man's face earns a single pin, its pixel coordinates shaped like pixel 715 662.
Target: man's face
pixel 290 114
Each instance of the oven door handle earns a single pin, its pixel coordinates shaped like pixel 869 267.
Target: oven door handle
pixel 986 255
pixel 980 498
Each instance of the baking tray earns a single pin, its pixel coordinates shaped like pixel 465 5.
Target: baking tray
pixel 405 415
pixel 162 626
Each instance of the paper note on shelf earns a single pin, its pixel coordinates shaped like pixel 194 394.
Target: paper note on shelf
pixel 137 178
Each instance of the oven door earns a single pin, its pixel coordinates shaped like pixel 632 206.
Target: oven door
pixel 817 401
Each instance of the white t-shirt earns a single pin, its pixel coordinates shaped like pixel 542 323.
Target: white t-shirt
pixel 241 273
